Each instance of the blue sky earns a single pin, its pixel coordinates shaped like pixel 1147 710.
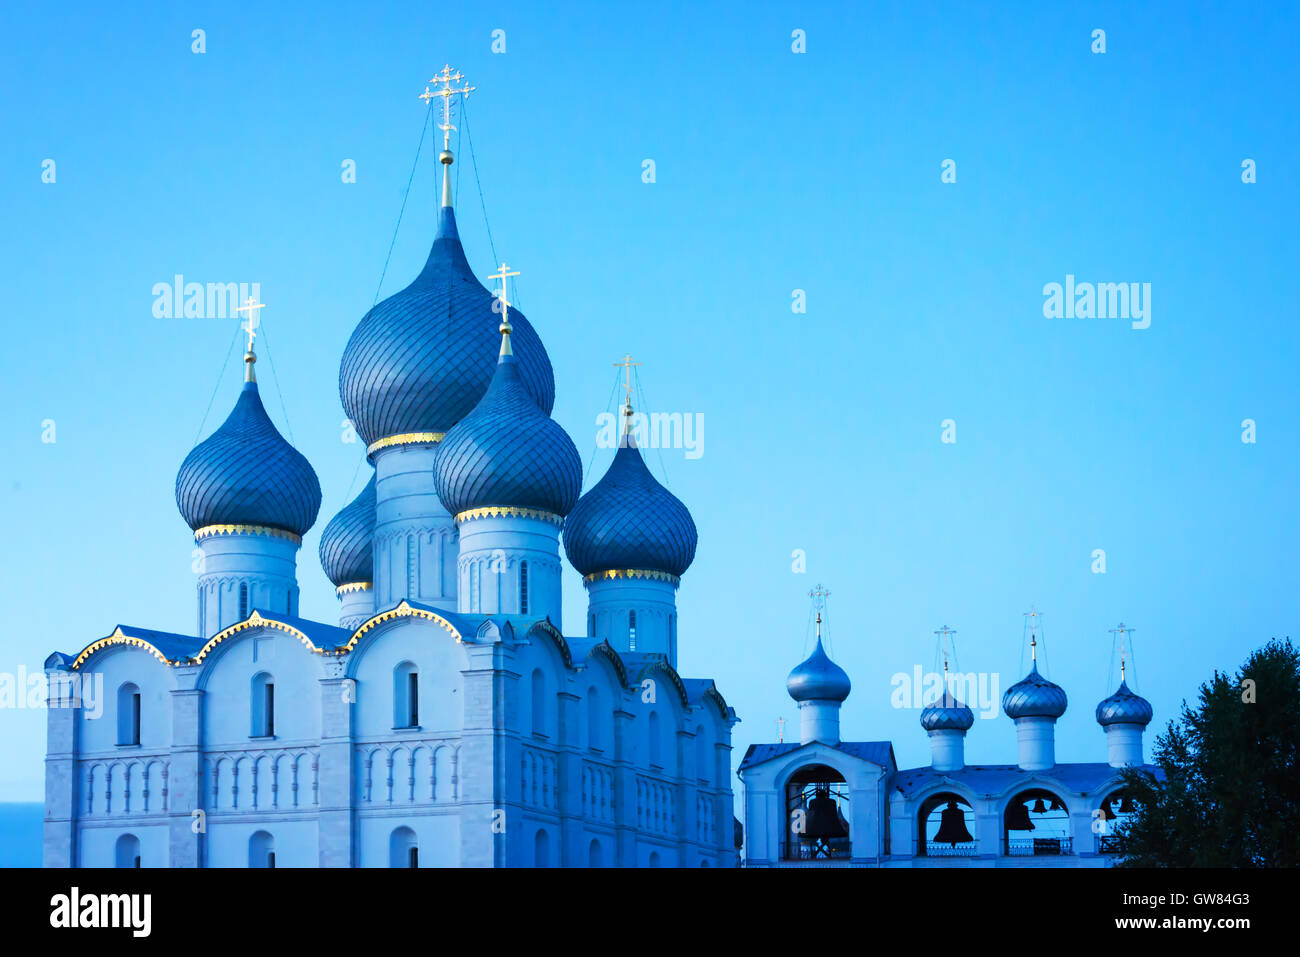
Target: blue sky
pixel 775 171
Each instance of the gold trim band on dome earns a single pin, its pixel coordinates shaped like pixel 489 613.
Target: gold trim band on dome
pixel 632 573
pixel 406 438
pixel 347 587
pixel 508 511
pixel 209 531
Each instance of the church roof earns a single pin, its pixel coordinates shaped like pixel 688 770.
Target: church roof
pixel 245 473
pixel 818 678
pixel 1124 707
pixel 420 360
pixel 507 452
pixel 876 752
pixel 629 521
pixel 347 544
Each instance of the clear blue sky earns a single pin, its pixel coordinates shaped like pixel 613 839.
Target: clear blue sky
pixel 775 171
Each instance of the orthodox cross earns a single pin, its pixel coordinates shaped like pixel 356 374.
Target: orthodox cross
pixel 819 596
pixel 503 273
pixel 780 730
pixel 448 81
pixel 946 632
pixel 1033 617
pixel 1122 630
pixel 250 306
pixel 626 365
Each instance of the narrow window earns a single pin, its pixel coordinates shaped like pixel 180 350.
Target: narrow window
pixel 523 588
pixel 262 701
pixel 128 714
pixel 270 859
pixel 406 696
pixel 414 860
pixel 413 682
pixel 631 631
pixel 243 600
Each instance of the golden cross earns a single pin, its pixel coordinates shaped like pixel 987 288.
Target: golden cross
pixel 250 306
pixel 502 274
pixel 627 365
pixel 1122 630
pixel 449 89
pixel 819 596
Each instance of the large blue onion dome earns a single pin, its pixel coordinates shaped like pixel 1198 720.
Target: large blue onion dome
pixel 507 452
pixel 818 678
pixel 419 361
pixel 245 473
pixel 347 544
pixel 628 521
pixel 1124 707
pixel 946 713
pixel 1034 697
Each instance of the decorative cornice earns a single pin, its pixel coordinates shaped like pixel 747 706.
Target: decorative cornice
pixel 255 620
pixel 509 511
pixel 119 637
pixel 209 531
pixel 353 586
pixel 403 610
pixel 647 573
pixel 405 438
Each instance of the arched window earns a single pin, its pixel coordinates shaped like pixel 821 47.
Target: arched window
pixel 126 853
pixel 595 856
pixel 656 747
pixel 1036 823
pixel 654 858
pixel 631 631
pixel 817 815
pixel 262 705
pixel 539 701
pixel 946 827
pixel 523 588
pixel 403 850
pixel 1116 809
pixel 542 849
pixel 406 696
pixel 128 714
pixel 243 600
pixel 594 718
pixel 261 850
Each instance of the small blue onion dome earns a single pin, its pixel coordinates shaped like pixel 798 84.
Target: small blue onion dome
pixel 1034 697
pixel 420 360
pixel 245 473
pixel 507 452
pixel 946 713
pixel 629 521
pixel 818 679
pixel 347 544
pixel 1124 707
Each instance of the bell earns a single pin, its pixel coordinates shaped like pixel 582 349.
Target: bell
pixel 1018 818
pixel 952 826
pixel 1039 807
pixel 1125 805
pixel 823 818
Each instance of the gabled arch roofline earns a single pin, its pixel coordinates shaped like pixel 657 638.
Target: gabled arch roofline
pixel 615 660
pixel 662 665
pixel 165 647
pixel 403 609
pixel 257 620
pixel 544 627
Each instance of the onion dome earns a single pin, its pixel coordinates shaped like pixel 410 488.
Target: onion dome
pixel 245 473
pixel 508 452
pixel 818 678
pixel 419 361
pixel 629 521
pixel 347 544
pixel 946 713
pixel 1124 707
pixel 1034 697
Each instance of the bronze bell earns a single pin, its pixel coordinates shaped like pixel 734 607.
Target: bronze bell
pixel 1039 807
pixel 1018 818
pixel 823 817
pixel 952 826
